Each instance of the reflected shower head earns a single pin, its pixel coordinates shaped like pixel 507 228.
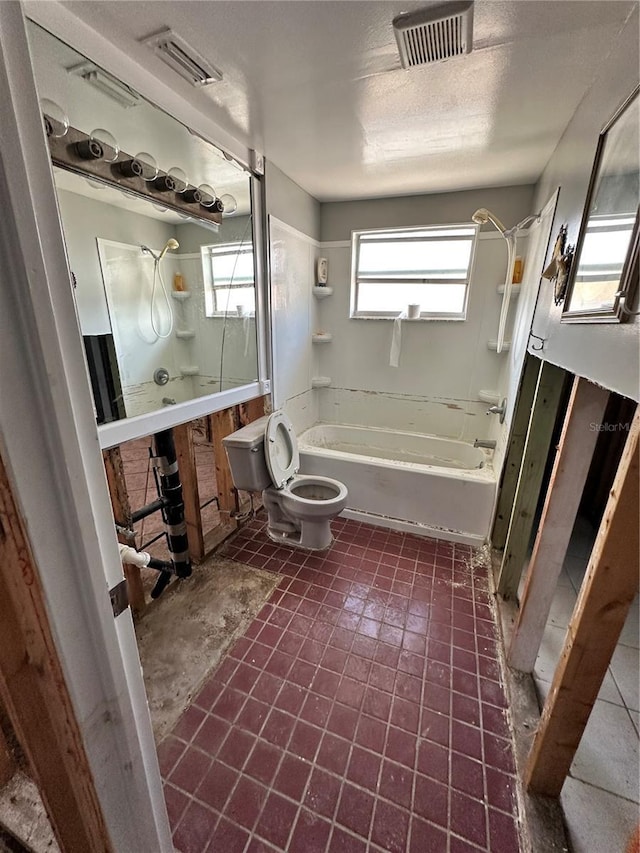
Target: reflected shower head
pixel 171 246
pixel 482 216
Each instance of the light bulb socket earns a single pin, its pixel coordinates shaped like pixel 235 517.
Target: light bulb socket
pixel 192 195
pixel 164 184
pixel 89 149
pixel 130 168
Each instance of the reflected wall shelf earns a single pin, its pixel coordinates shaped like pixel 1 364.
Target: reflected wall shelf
pixel 322 337
pixel 321 382
pixel 185 334
pixel 322 292
pixel 515 289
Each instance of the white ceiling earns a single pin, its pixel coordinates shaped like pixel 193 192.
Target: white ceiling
pixel 317 85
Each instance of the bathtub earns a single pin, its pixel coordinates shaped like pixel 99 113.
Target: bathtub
pixel 407 481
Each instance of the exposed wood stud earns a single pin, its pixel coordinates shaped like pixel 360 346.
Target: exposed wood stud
pixel 575 450
pixel 515 450
pixel 34 693
pixel 536 450
pixel 185 451
pixel 251 410
pixel 122 516
pixel 609 587
pixel 223 423
pixel 7 764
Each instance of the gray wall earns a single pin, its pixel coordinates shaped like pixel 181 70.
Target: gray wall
pixel 83 220
pixel 605 353
pixel 233 229
pixel 338 219
pixel 290 203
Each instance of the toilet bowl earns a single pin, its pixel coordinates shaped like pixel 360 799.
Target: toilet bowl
pixel 263 456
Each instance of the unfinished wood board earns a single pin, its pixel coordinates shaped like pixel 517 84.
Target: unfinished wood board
pixel 609 587
pixel 7 764
pixel 185 452
pixel 182 638
pixel 513 461
pixel 223 424
pixel 122 515
pixel 34 693
pixel 571 466
pixel 536 450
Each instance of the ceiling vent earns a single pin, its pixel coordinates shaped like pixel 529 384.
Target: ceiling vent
pixel 434 34
pixel 182 58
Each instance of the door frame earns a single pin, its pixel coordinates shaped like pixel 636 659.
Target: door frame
pixel 49 441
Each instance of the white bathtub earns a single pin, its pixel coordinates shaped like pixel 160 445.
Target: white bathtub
pixel 407 481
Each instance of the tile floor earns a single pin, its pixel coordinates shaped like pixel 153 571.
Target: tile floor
pixel 601 796
pixel 362 710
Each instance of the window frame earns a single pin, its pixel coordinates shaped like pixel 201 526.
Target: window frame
pixel 355 314
pixel 210 288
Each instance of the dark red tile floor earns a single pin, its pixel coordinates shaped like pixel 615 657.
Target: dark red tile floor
pixel 362 710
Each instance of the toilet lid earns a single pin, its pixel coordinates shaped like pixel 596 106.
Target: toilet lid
pixel 281 449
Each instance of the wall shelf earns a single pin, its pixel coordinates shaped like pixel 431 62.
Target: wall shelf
pixel 515 289
pixel 180 294
pixel 322 337
pixel 493 345
pixel 322 292
pixel 185 334
pixel 321 382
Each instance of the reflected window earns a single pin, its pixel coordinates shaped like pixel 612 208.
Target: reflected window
pixel 229 279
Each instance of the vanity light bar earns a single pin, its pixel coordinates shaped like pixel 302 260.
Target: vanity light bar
pixel 173 50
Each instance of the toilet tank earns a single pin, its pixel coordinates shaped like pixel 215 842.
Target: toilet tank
pixel 245 450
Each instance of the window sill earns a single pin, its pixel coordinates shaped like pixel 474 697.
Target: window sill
pixel 427 319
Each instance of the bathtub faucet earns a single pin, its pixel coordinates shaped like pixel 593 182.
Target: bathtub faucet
pixel 498 410
pixel 485 442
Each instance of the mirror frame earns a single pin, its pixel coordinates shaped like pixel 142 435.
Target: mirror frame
pixel 619 311
pixel 56 21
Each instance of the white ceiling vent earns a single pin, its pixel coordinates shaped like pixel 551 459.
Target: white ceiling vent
pixel 180 56
pixel 434 34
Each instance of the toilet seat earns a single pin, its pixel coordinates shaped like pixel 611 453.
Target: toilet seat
pixel 281 449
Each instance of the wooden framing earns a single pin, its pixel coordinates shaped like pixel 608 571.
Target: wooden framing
pixel 609 587
pixel 122 514
pixel 186 454
pixel 513 461
pixel 7 763
pixel 539 435
pixel 579 435
pixel 219 424
pixel 34 693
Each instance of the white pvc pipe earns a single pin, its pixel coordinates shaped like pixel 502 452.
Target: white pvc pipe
pixel 131 557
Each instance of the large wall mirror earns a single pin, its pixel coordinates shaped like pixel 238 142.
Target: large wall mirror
pixel 159 232
pixel 605 269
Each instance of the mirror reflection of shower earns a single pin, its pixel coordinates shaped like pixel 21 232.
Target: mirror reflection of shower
pixel 170 246
pixel 481 217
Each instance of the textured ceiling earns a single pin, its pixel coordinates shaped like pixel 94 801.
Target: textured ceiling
pixel 317 85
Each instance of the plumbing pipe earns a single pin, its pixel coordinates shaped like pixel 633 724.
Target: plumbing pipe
pixel 149 509
pixel 143 559
pixel 170 489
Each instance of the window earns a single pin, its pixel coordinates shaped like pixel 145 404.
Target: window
pixel 395 267
pixel 228 279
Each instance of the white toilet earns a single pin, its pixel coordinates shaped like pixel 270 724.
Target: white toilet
pixel 263 456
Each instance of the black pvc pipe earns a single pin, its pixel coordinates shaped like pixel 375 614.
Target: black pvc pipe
pixel 170 489
pixel 149 509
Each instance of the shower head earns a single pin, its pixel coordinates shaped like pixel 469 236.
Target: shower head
pixel 171 246
pixel 482 216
